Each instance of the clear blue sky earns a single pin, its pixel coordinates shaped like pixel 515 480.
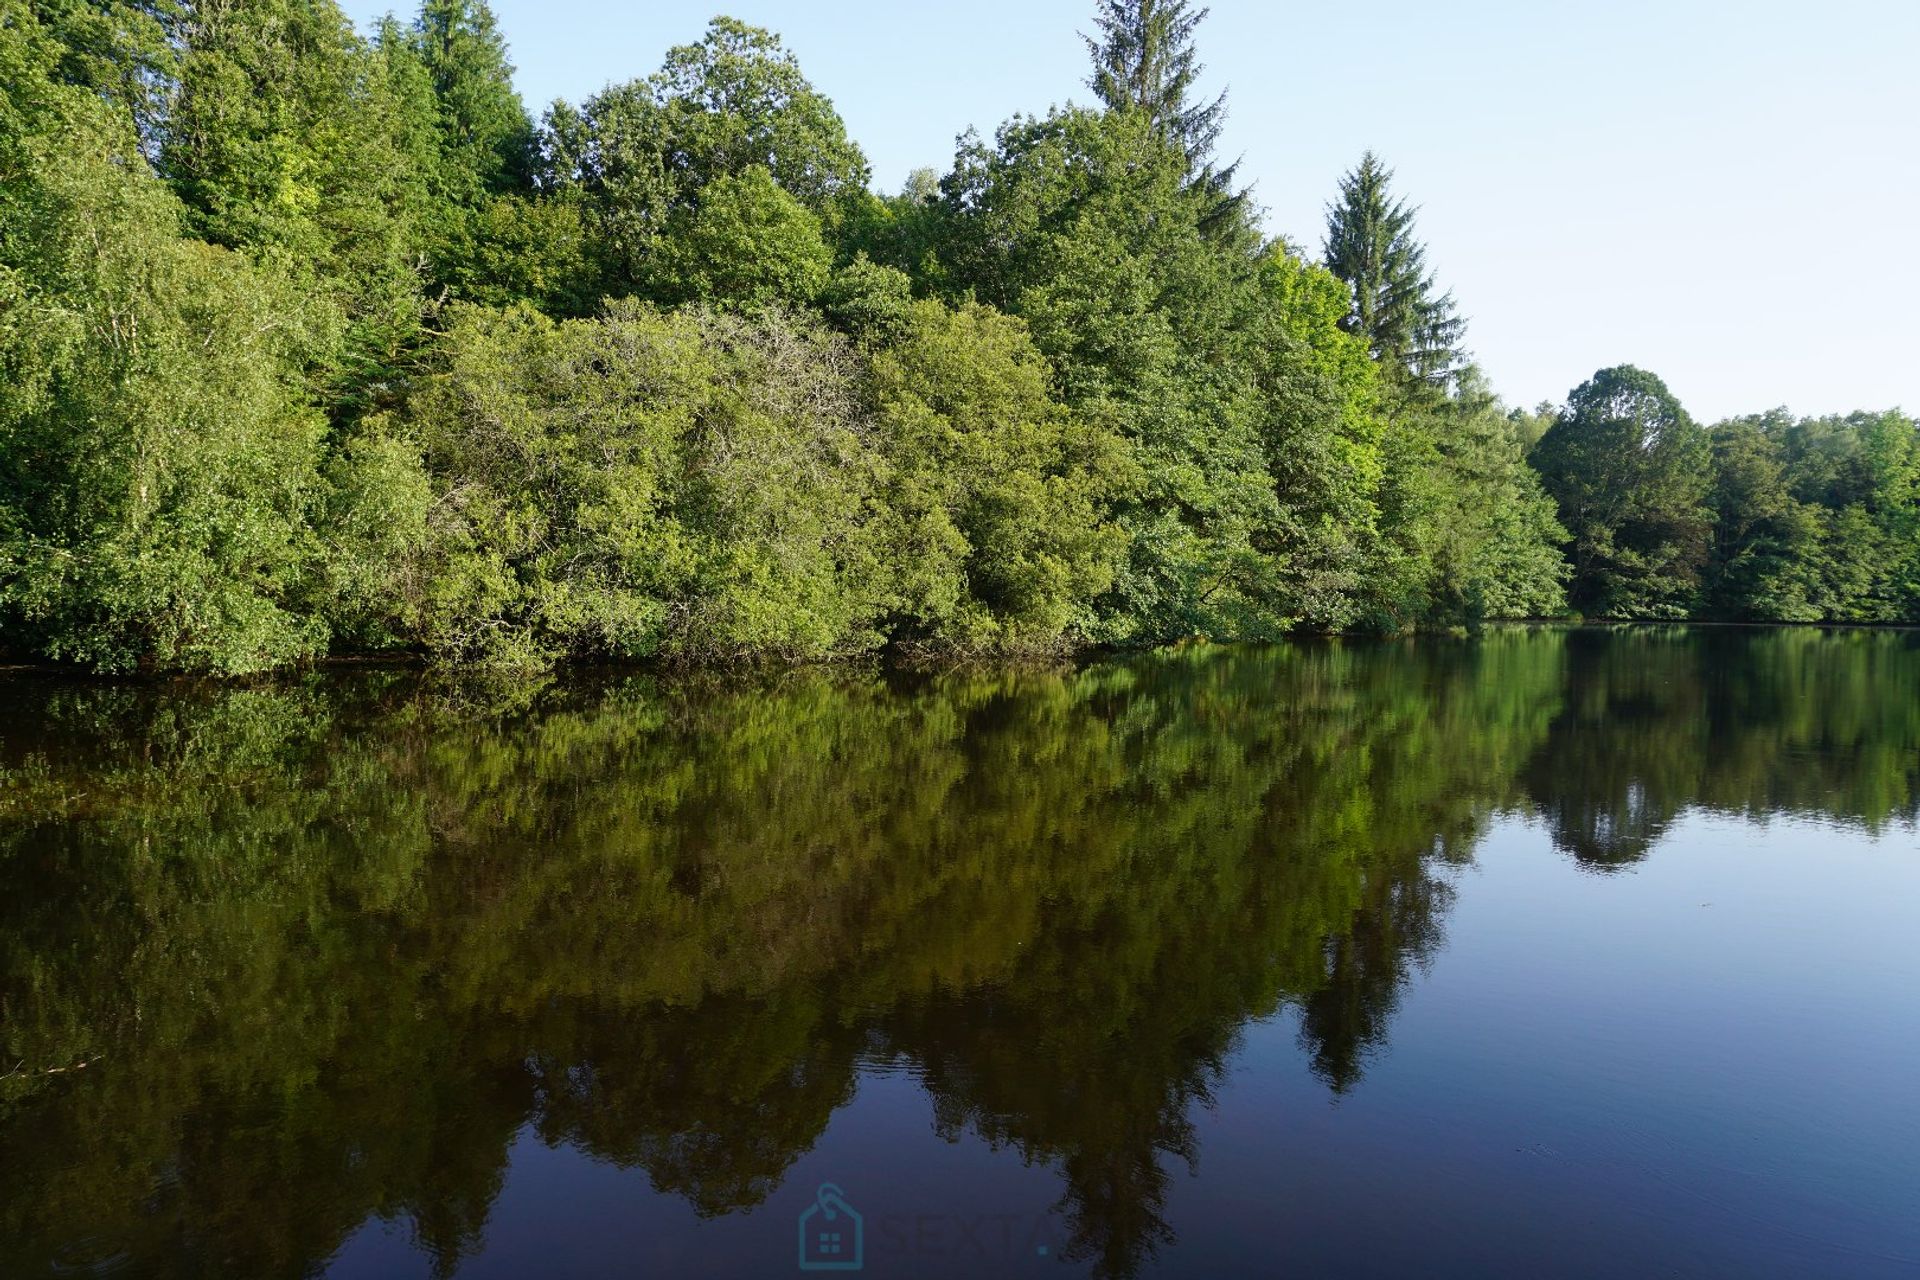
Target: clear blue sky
pixel 1727 193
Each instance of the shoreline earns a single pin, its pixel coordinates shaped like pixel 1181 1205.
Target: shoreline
pixel 894 662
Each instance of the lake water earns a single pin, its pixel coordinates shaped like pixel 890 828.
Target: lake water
pixel 1547 953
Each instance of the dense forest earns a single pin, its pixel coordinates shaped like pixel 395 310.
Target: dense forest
pixel 317 341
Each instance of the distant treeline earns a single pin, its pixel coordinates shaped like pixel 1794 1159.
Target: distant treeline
pixel 317 342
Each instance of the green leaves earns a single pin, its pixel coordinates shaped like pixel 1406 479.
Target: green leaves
pixel 1085 225
pixel 704 485
pixel 1144 60
pixel 687 484
pixel 995 494
pixel 1631 472
pixel 486 139
pixel 1065 394
pixel 645 153
pixel 1817 519
pixel 284 138
pixel 1494 541
pixel 1412 328
pixel 747 242
pixel 159 463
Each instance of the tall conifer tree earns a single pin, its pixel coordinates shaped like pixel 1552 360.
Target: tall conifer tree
pixel 1144 60
pixel 486 136
pixel 1411 326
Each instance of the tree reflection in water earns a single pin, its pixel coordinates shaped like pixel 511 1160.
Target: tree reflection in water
pixel 334 943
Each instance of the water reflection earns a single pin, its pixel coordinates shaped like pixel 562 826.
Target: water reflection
pixel 328 947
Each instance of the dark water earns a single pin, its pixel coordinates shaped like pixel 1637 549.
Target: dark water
pixel 1546 954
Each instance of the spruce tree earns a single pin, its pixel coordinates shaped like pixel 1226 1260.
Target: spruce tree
pixel 1143 60
pixel 1411 327
pixel 486 136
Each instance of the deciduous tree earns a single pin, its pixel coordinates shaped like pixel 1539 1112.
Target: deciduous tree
pixel 1632 475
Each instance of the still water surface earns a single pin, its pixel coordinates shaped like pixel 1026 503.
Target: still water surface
pixel 1550 953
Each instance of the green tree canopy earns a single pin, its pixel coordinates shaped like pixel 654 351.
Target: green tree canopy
pixel 1144 60
pixel 1411 327
pixel 996 494
pixel 1496 538
pixel 1817 518
pixel 285 138
pixel 158 459
pixel 643 151
pixel 1085 225
pixel 486 136
pixel 641 483
pixel 127 51
pixel 1632 475
pixel 1763 539
pixel 746 241
pixel 315 295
